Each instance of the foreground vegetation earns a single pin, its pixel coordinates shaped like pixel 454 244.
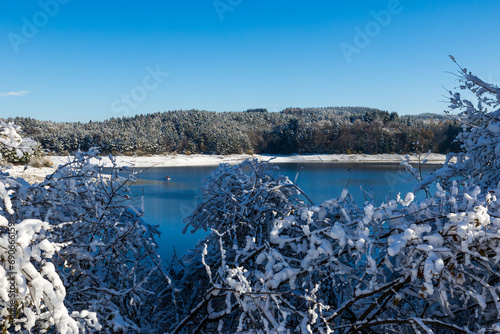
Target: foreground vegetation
pixel 77 257
pixel 294 130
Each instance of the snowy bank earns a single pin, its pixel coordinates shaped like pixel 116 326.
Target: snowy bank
pixel 181 160
pixel 32 174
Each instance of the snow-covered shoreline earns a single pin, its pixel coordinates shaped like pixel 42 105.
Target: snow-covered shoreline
pixel 181 160
pixel 34 174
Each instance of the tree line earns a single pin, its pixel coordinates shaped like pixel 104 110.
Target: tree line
pixel 293 130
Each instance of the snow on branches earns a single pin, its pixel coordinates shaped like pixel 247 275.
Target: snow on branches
pixel 31 290
pixel 247 193
pixel 338 268
pixel 100 255
pixel 14 148
pixel 273 263
pixel 479 160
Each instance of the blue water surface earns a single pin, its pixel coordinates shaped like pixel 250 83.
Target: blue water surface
pixel 168 202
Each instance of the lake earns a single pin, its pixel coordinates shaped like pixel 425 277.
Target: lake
pixel 167 203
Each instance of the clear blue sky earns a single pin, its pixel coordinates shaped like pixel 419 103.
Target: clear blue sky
pixel 69 60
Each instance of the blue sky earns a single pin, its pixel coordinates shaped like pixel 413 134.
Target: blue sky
pixel 74 60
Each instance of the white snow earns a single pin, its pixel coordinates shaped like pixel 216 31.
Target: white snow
pixel 37 174
pixel 215 160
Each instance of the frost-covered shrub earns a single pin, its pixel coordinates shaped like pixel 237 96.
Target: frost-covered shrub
pixel 32 293
pixel 403 265
pixel 479 162
pixel 108 265
pixel 14 148
pixel 428 266
pixel 239 205
pixel 266 194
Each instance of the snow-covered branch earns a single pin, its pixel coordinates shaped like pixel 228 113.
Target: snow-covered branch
pixel 273 263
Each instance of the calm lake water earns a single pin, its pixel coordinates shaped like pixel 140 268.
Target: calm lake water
pixel 167 203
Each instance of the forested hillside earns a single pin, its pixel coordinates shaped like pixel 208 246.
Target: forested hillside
pixel 293 130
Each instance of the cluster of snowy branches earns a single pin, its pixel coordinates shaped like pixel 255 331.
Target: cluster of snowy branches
pixel 76 255
pixel 275 264
pixel 13 147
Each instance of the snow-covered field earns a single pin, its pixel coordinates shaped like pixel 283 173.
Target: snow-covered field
pixel 32 174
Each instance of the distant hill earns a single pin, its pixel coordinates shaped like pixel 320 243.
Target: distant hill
pixel 293 130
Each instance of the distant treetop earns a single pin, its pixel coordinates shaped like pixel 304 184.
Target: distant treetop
pixel 257 110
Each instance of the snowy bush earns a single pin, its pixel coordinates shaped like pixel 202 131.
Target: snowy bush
pixel 480 141
pixel 31 290
pixel 241 202
pixel 104 255
pixel 274 264
pixel 14 148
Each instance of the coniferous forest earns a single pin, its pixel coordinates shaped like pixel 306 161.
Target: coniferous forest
pixel 293 130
